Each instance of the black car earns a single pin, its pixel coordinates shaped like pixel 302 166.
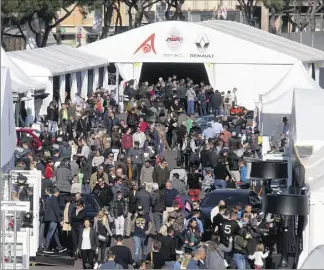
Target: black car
pixel 91 204
pixel 232 197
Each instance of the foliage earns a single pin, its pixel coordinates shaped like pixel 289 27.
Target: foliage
pixel 40 15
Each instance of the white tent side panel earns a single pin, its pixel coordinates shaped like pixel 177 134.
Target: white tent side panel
pixel 308 109
pixel 250 80
pixel 177 42
pixel 8 129
pixel 21 82
pixel 279 99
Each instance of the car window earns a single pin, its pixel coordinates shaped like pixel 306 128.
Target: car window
pixel 230 198
pixel 90 204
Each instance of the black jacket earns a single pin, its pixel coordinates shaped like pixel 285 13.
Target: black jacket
pixel 131 202
pixel 124 205
pixel 208 158
pixel 168 248
pixel 143 198
pixel 52 210
pixel 233 161
pixel 105 194
pixel 51 113
pixel 216 101
pixel 110 123
pixel 158 201
pixel 77 219
pixel 93 239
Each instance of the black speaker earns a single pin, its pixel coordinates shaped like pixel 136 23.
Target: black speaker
pixel 269 169
pixel 287 204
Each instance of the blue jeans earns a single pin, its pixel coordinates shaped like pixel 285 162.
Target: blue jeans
pixel 191 107
pixel 140 243
pixel 220 184
pixel 240 261
pixel 51 126
pixel 170 264
pixel 202 110
pixel 52 232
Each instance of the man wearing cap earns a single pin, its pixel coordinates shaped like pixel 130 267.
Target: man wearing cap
pixel 142 227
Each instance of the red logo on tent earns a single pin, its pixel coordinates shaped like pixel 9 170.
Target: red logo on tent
pixel 147 46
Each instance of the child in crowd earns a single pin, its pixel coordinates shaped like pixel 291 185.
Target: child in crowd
pixel 258 256
pixel 76 186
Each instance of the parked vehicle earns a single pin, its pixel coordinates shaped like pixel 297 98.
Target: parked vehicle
pixel 231 197
pixel 29 134
pixel 91 204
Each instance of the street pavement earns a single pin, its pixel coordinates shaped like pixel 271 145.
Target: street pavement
pixel 170 156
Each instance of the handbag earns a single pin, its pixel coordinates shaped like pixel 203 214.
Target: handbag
pixel 102 238
pixel 225 262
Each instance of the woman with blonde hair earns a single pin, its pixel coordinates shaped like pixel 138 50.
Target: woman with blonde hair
pixel 185 261
pixel 101 226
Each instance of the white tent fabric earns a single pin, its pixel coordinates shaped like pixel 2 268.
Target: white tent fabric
pixel 20 81
pixel 208 42
pixel 8 129
pixel 281 94
pixel 55 60
pixel 306 112
pixel 315 259
pixel 265 60
pixel 137 72
pixel 126 70
pixel 211 73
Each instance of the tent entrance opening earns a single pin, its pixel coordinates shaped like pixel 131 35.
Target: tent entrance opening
pixel 151 72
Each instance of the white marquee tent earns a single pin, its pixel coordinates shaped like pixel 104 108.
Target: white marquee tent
pixel 20 81
pixel 277 102
pixel 43 64
pixel 8 129
pixel 307 132
pixel 234 54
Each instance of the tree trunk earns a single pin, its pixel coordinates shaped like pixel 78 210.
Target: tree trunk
pixel 273 28
pixel 108 14
pixel 139 13
pixel 130 17
pixel 58 31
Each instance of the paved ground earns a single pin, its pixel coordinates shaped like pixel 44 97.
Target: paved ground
pixel 170 157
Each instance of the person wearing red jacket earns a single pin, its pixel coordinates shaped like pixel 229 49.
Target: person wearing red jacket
pixel 142 125
pixel 49 170
pixel 127 140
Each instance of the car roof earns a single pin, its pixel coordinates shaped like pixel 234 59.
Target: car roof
pixel 229 190
pixel 25 129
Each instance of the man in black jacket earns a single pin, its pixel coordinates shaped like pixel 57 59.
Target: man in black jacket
pixel 168 247
pixel 131 208
pixel 143 198
pixel 53 217
pixel 103 192
pixel 216 102
pixel 158 206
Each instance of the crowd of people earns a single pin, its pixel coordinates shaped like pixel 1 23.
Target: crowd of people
pixel 88 149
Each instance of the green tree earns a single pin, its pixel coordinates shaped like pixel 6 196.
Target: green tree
pixel 295 12
pixel 40 15
pixel 275 8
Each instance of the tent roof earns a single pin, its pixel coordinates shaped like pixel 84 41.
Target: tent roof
pixel 215 41
pixel 280 98
pixel 8 130
pixel 20 81
pixel 274 42
pixel 55 60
